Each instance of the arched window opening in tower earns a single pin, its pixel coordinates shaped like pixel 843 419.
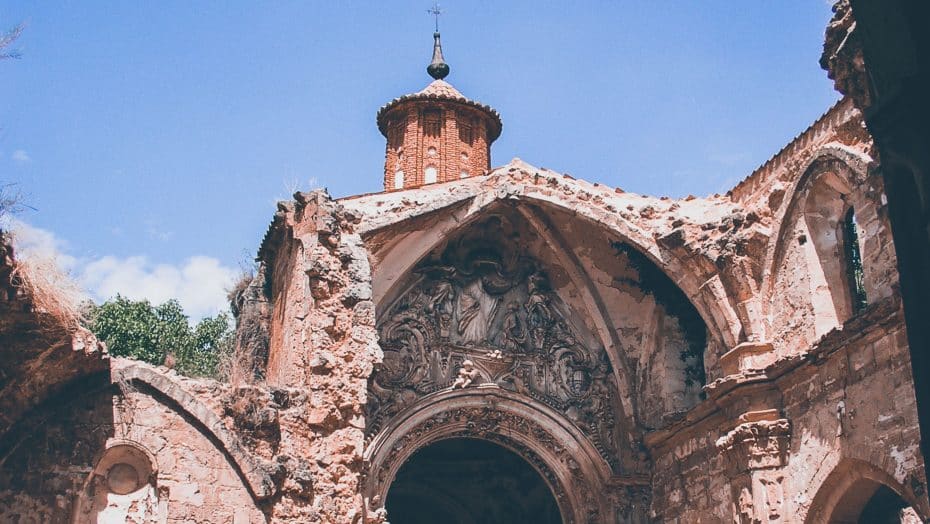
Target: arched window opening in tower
pixel 853 259
pixel 429 175
pixel 399 180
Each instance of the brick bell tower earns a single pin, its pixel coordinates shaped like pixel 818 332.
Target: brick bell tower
pixel 436 135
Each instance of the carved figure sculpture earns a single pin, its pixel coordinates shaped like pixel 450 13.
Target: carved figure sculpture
pixel 441 305
pixel 476 309
pixel 539 315
pixel 481 303
pixel 513 331
pixel 467 375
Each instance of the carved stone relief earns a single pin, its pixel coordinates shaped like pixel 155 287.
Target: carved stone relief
pixel 755 451
pixel 480 313
pixel 574 492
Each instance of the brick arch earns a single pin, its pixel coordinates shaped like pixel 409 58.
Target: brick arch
pixel 590 307
pixel 845 491
pixel 833 170
pixel 168 392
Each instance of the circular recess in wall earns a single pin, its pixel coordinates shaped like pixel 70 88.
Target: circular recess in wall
pixel 464 156
pixel 127 467
pixel 431 151
pixel 123 479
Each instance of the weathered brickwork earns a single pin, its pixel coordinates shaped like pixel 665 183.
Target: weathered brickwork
pixel 848 412
pixel 439 129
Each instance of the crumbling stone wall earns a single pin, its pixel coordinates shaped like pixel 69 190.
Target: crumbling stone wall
pixel 51 472
pixel 323 346
pixel 849 400
pixel 286 449
pixel 810 290
pixel 826 388
pixel 40 352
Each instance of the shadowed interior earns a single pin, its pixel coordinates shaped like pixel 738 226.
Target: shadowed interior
pixel 466 481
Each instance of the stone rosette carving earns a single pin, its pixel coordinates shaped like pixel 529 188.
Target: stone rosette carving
pixel 757 445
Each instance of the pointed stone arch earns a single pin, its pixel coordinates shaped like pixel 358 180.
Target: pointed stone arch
pixel 812 218
pixel 482 304
pixel 402 239
pixel 396 256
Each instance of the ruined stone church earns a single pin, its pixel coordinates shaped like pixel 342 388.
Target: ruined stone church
pixel 510 344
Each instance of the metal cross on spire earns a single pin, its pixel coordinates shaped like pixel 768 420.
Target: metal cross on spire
pixel 438 68
pixel 435 11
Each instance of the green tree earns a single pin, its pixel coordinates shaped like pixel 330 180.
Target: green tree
pixel 139 330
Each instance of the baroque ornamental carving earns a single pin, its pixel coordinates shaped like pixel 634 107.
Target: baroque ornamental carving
pixel 481 315
pixel 497 426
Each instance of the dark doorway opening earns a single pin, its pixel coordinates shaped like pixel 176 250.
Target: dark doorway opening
pixel 469 481
pixel 867 501
pixel 884 507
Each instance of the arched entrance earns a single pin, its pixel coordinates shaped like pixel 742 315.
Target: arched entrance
pixel 867 501
pixel 856 492
pixel 469 481
pixel 572 469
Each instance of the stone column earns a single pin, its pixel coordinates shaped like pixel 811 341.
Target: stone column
pixel 756 451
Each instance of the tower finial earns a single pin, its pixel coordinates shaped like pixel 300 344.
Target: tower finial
pixel 438 68
pixel 435 11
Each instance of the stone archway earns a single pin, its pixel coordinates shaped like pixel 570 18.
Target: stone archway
pixel 571 467
pixel 855 491
pixel 470 481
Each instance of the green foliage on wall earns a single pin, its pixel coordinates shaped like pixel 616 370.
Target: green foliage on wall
pixel 154 334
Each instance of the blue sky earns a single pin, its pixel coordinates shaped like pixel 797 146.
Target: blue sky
pixel 153 138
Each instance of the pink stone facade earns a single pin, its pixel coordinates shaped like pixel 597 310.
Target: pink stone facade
pixel 796 400
pixel 735 358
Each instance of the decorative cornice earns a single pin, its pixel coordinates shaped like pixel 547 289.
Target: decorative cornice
pixel 443 95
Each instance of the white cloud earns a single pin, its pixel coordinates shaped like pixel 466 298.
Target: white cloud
pixel 21 157
pixel 37 243
pixel 199 283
